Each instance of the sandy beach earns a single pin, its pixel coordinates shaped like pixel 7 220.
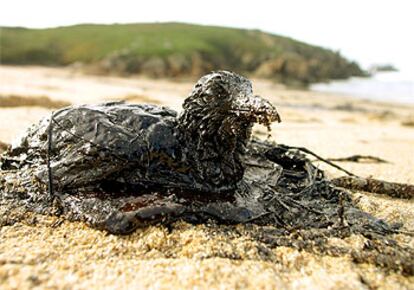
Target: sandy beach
pixel 49 253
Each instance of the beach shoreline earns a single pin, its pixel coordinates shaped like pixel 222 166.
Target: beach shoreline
pixel 391 87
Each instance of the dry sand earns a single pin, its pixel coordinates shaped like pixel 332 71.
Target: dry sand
pixel 46 252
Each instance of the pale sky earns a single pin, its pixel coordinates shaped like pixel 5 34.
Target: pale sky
pixel 363 30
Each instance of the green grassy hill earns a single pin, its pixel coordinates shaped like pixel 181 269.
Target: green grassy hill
pixel 173 49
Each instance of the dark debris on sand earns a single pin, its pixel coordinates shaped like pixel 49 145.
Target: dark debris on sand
pixel 118 167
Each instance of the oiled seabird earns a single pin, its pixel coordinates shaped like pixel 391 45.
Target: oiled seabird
pixel 120 166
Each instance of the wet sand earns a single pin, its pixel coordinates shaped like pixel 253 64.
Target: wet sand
pixel 46 252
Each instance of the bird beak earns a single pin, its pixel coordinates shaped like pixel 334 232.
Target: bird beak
pixel 256 109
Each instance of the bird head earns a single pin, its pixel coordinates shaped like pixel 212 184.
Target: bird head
pixel 225 101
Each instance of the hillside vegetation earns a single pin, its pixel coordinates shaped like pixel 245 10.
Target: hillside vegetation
pixel 174 50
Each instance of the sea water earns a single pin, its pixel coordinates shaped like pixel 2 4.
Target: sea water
pixel 396 87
